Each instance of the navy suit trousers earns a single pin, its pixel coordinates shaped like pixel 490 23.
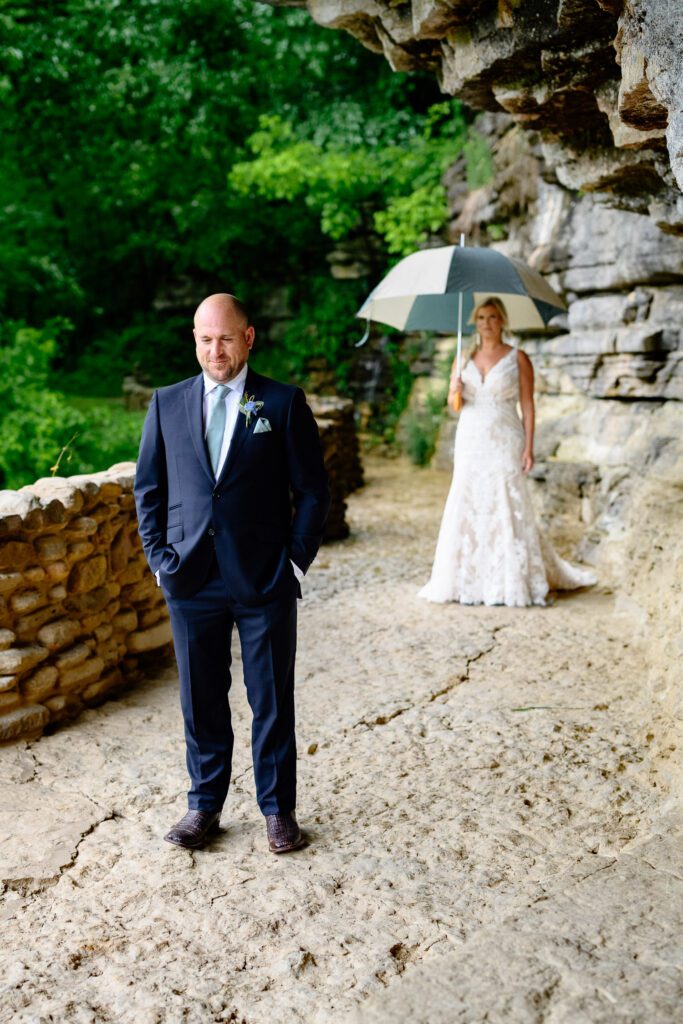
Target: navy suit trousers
pixel 202 630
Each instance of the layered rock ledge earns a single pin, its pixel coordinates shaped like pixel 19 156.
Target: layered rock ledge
pixel 599 79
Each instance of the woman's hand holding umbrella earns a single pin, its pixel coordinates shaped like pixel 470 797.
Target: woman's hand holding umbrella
pixel 455 392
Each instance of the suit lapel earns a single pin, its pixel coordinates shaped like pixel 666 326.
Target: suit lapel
pixel 241 431
pixel 194 407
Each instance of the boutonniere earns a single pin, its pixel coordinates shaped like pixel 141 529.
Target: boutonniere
pixel 249 405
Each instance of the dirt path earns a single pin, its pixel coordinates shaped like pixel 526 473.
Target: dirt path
pixel 487 830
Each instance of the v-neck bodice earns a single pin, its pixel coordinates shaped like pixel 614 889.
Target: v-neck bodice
pixel 489 371
pixel 501 383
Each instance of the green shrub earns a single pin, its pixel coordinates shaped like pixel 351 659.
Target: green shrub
pixel 408 220
pixel 111 435
pixel 39 423
pixel 399 181
pixel 36 422
pixel 420 429
pixel 399 357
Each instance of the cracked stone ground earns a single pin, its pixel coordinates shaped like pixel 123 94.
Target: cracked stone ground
pixel 490 838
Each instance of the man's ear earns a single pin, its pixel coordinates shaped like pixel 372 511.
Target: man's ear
pixel 249 335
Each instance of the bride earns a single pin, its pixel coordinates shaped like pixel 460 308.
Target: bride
pixel 490 550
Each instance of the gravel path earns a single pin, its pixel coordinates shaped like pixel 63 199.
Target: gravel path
pixel 489 838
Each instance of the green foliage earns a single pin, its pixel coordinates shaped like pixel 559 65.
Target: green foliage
pixel 321 328
pixel 394 188
pixel 495 232
pixel 154 151
pixel 420 428
pixel 403 379
pixel 111 434
pixel 157 348
pixel 121 124
pixel 38 422
pixel 330 183
pixel 408 220
pixel 479 159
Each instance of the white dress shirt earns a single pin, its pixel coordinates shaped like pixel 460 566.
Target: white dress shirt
pixel 232 401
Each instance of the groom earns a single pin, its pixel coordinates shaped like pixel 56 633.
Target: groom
pixel 231 496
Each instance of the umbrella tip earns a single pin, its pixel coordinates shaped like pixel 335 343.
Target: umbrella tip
pixel 366 335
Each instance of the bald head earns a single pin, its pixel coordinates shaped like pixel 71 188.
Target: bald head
pixel 223 336
pixel 222 302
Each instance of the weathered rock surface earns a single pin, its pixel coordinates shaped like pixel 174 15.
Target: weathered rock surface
pixel 599 79
pixel 610 381
pixel 487 794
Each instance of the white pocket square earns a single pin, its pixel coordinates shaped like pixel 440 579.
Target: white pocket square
pixel 262 425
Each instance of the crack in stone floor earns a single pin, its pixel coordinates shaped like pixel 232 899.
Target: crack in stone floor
pixel 453 682
pixel 485 820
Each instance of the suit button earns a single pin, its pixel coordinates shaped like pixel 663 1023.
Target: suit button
pixel 212 532
pixel 216 494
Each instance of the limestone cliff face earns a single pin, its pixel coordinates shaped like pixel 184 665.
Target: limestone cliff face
pixel 585 119
pixel 599 79
pixel 586 124
pixel 609 378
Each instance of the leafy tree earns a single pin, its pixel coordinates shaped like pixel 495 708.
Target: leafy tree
pixel 122 124
pixel 154 151
pixel 394 188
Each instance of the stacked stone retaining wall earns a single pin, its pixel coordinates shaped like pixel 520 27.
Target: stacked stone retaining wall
pixel 341 450
pixel 79 609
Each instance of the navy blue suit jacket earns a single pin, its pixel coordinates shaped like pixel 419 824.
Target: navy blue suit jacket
pixel 268 504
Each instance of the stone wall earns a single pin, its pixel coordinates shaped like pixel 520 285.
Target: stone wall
pixel 336 422
pixel 80 611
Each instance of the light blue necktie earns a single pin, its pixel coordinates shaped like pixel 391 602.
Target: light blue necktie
pixel 216 429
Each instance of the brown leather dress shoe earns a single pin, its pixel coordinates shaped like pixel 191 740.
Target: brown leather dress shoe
pixel 283 833
pixel 194 829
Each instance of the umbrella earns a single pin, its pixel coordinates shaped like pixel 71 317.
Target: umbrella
pixel 422 292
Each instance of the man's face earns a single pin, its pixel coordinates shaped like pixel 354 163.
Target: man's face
pixel 223 343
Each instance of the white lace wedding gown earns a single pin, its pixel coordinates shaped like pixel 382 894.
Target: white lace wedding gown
pixel 490 550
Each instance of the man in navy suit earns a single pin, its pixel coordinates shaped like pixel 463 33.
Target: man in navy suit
pixel 231 496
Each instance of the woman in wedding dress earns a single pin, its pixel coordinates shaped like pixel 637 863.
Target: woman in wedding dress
pixel 490 550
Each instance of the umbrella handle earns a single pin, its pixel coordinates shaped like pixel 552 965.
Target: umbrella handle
pixel 457 401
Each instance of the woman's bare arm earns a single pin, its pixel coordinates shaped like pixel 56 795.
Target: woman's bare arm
pixel 526 400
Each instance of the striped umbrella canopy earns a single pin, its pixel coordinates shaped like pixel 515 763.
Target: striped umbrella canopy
pixel 438 289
